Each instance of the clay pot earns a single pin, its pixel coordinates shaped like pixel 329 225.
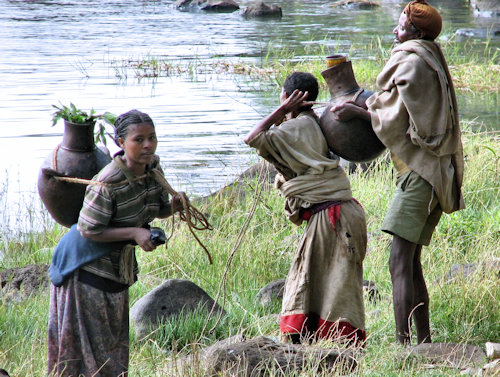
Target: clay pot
pixel 353 140
pixel 77 156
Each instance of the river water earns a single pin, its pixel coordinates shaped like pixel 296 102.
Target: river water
pixel 62 51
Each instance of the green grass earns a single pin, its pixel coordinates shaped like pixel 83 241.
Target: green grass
pixel 462 311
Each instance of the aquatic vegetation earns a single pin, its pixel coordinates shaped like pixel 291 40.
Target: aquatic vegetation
pixel 474 67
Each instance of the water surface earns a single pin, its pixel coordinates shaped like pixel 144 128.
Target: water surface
pixel 66 51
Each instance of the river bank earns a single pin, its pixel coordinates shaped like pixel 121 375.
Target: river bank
pixel 463 309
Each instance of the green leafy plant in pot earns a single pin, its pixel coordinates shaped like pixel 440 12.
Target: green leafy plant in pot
pixel 77 156
pixel 72 114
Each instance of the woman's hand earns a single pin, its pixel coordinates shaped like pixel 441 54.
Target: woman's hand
pixel 177 204
pixel 349 110
pixel 143 238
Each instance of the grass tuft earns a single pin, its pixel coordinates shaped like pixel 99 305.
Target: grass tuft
pixel 463 310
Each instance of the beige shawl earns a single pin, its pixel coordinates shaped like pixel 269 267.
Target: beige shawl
pixel 415 115
pixel 299 151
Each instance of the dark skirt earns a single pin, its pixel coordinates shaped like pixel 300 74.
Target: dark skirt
pixel 88 332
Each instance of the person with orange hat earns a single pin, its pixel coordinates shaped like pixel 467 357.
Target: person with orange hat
pixel 415 115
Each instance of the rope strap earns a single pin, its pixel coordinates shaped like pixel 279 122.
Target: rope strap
pixel 190 215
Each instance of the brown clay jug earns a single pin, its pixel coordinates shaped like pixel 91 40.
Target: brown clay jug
pixel 355 139
pixel 77 156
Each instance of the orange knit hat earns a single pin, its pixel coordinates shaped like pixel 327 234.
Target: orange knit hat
pixel 424 17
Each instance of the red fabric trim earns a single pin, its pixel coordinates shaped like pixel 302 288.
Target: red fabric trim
pixel 306 215
pixel 341 331
pixel 334 216
pixel 312 324
pixel 358 202
pixel 293 323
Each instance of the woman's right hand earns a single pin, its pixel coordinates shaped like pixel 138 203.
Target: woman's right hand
pixel 143 238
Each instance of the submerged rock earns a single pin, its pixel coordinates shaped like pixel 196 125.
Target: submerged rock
pixel 207 5
pixel 358 4
pixel 220 6
pixel 479 33
pixel 262 10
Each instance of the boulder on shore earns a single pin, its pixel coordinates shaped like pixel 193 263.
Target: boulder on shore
pixel 262 356
pixel 18 284
pixel 460 356
pixel 167 301
pixel 485 8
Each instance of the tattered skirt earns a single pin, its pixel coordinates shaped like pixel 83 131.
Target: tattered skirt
pixel 323 295
pixel 88 332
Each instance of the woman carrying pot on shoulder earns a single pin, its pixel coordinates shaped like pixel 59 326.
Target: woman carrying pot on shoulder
pixel 94 264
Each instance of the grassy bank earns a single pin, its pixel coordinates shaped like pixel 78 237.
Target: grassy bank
pixel 462 311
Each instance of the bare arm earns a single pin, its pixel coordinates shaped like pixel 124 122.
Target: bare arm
pixel 141 236
pixel 349 110
pixel 290 105
pixel 174 206
pixel 114 234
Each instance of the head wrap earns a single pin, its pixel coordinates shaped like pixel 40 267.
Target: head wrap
pixel 425 18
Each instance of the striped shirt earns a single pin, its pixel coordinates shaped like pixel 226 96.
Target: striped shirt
pixel 127 203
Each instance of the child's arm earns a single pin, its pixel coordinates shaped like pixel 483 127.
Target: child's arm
pixel 292 103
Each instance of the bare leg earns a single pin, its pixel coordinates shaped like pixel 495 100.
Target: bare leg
pixel 290 338
pixel 420 300
pixel 401 268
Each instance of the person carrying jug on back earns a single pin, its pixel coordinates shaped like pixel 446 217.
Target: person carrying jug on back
pixel 94 264
pixel 415 115
pixel 323 296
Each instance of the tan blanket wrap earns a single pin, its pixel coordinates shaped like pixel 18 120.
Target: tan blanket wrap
pixel 415 115
pixel 326 276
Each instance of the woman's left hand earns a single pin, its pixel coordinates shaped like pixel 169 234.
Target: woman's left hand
pixel 143 238
pixel 177 204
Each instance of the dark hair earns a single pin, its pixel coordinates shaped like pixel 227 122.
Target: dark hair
pixel 125 120
pixel 302 81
